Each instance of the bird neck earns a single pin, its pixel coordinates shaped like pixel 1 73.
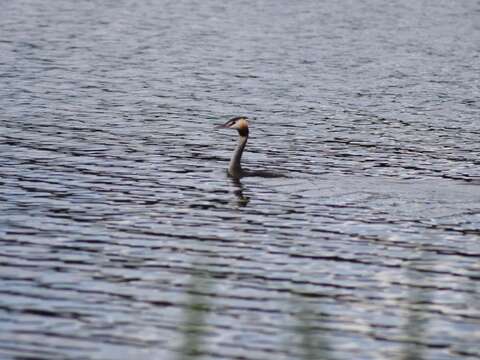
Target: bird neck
pixel 234 168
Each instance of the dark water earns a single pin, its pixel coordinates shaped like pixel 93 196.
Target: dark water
pixel 113 189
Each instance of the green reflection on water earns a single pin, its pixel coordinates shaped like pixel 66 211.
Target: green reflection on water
pixel 310 330
pixel 197 308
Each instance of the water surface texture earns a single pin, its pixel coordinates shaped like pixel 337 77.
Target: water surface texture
pixel 114 196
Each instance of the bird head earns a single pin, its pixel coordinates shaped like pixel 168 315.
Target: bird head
pixel 239 123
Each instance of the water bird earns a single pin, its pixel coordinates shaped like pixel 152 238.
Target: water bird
pixel 240 123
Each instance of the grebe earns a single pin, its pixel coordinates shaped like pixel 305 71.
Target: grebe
pixel 235 170
pixel 239 123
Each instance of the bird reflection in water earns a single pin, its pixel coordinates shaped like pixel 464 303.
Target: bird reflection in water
pixel 242 200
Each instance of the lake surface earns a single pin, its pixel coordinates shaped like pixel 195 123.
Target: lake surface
pixel 116 214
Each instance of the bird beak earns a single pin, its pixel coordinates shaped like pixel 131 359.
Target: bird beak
pixel 223 126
